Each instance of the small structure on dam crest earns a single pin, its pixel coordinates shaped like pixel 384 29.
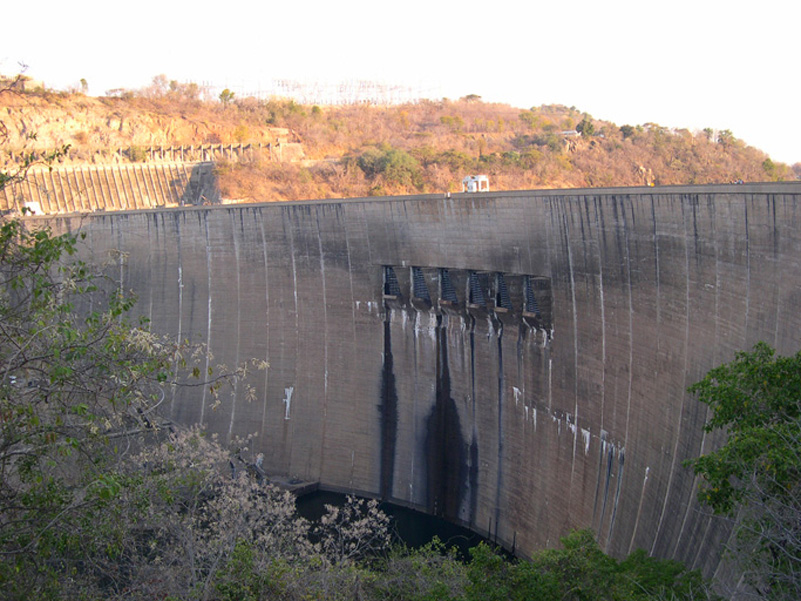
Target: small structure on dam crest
pixel 475 183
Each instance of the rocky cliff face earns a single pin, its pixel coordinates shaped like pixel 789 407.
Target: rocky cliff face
pixel 97 127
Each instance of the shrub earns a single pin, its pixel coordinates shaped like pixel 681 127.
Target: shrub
pixel 394 165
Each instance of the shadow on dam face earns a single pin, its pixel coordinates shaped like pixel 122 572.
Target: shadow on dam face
pixel 639 292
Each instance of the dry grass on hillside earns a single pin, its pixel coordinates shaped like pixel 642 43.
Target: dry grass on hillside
pixel 361 150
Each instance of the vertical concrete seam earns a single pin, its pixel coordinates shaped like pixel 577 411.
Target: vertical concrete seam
pixel 205 218
pixel 237 263
pixel 265 258
pixel 180 274
pixel 325 343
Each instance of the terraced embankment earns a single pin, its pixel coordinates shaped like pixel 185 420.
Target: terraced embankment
pixel 111 188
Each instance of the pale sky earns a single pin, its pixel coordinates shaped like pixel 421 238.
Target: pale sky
pixel 691 64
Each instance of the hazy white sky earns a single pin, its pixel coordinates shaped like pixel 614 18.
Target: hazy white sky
pixel 693 64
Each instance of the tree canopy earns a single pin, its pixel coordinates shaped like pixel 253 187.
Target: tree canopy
pixel 755 476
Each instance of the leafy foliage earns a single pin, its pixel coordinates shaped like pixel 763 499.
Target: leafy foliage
pixel 71 387
pixel 226 97
pixel 586 127
pixel 80 385
pixel 755 477
pixel 580 571
pixel 392 165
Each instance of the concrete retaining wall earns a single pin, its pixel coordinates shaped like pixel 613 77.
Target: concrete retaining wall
pixel 111 188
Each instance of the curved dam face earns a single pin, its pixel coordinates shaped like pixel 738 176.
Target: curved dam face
pixel 516 362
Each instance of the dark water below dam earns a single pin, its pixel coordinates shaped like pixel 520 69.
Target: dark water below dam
pixel 413 528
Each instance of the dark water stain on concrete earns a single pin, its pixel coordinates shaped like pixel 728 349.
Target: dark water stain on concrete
pixel 389 417
pixel 446 463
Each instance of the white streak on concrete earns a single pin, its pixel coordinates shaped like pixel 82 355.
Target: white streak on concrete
pixel 352 466
pixel 543 336
pixel 426 323
pixel 517 394
pixel 288 399
pixel 411 482
pixel 574 311
pixel 586 435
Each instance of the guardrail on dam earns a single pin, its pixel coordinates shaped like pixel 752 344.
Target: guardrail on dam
pixel 514 361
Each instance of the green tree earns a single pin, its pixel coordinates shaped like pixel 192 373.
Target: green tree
pixel 80 384
pixel 531 118
pixel 586 127
pixel 226 97
pixel 456 160
pixel 755 477
pixel 580 571
pixel 72 385
pixel 433 572
pixel 454 122
pixel 725 137
pixel 394 165
pixel 769 167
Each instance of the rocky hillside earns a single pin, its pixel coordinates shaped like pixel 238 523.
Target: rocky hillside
pixel 360 150
pixel 96 129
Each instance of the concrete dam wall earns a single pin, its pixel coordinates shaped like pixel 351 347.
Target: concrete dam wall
pixel 513 361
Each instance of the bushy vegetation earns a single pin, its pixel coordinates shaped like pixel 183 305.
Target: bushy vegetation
pixel 360 149
pixel 544 147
